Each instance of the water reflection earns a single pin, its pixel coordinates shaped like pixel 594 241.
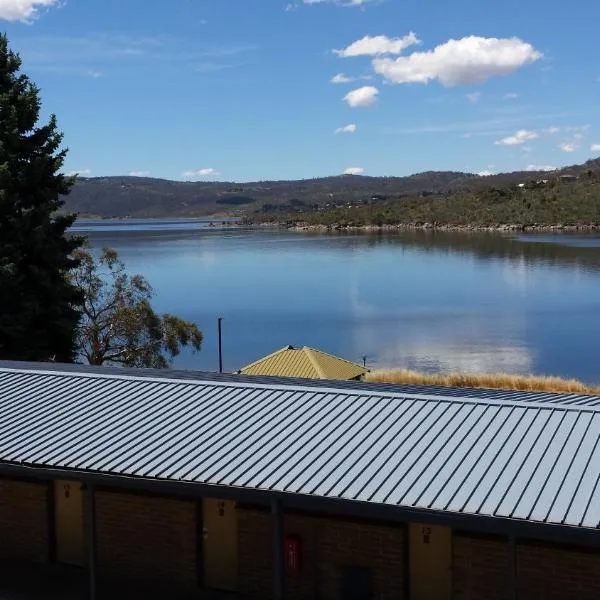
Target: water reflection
pixel 436 301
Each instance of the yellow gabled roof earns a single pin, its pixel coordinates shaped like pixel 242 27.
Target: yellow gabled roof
pixel 306 363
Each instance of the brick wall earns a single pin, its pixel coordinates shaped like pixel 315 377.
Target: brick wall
pixel 148 541
pixel 479 567
pixel 23 521
pixel 255 562
pixel 553 573
pixel 544 571
pixel 328 545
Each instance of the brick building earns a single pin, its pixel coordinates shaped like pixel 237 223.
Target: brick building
pixel 193 485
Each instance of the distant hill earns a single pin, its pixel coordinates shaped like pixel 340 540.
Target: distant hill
pixel 564 200
pixel 147 197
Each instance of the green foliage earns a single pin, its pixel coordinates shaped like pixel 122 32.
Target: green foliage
pixel 38 305
pixel 144 197
pixel 119 325
pixel 554 203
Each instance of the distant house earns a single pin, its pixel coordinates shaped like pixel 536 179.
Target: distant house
pixel 306 363
pixel 567 177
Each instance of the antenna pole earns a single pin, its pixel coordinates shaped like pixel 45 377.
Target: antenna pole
pixel 220 330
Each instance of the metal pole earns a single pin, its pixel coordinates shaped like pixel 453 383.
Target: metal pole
pixel 278 549
pixel 220 328
pixel 513 575
pixel 90 538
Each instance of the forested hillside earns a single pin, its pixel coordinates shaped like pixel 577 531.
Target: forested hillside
pixel 145 197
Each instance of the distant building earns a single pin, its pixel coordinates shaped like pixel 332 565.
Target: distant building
pixel 306 363
pixel 567 177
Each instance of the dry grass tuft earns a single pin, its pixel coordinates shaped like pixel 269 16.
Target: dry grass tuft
pixel 504 381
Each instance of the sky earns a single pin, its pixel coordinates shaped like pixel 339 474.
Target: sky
pixel 250 90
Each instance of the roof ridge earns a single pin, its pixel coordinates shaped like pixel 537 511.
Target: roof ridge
pixel 309 353
pixel 330 387
pixel 340 358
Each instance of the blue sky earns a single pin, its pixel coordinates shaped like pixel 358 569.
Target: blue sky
pixel 242 90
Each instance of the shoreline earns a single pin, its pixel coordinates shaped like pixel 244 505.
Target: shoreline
pixel 433 227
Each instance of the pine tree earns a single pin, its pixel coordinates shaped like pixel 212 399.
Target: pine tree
pixel 39 306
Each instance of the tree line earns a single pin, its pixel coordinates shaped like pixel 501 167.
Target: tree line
pixel 58 302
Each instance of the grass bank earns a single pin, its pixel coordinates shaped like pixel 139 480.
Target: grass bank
pixel 503 381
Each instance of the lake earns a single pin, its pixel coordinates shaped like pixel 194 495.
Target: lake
pixel 422 300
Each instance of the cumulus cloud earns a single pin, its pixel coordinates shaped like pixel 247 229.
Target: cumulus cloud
pixel 23 10
pixel 205 172
pixel 354 171
pixel 540 168
pixel 364 96
pixel 520 137
pixel 343 78
pixel 595 148
pixel 474 97
pixel 552 130
pixel 378 45
pixel 346 129
pixel 339 2
pixel 469 60
pixel 511 96
pixel 568 147
pixel 139 173
pixel 78 172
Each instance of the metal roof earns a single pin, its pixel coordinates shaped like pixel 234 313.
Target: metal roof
pixel 304 362
pixel 491 457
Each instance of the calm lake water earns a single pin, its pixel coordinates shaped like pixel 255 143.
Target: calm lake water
pixel 436 302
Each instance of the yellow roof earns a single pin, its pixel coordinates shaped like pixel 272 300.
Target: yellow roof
pixel 306 363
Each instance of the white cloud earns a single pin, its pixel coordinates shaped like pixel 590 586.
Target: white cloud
pixel 346 129
pixel 552 130
pixel 540 168
pixel 364 96
pixel 354 171
pixel 474 97
pixel 595 148
pixel 511 96
pixel 485 173
pixel 343 78
pixel 139 173
pixel 522 136
pixel 469 60
pixel 78 172
pixel 205 172
pixel 378 45
pixel 340 2
pixel 568 147
pixel 23 10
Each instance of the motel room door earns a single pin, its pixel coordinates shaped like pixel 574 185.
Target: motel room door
pixel 220 544
pixel 430 560
pixel 68 515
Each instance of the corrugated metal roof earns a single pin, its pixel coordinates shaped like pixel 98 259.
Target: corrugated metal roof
pixel 304 362
pixel 536 461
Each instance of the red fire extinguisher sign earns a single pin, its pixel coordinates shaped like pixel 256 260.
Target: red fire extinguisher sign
pixel 293 554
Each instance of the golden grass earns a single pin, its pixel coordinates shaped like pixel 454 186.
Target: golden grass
pixel 504 381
